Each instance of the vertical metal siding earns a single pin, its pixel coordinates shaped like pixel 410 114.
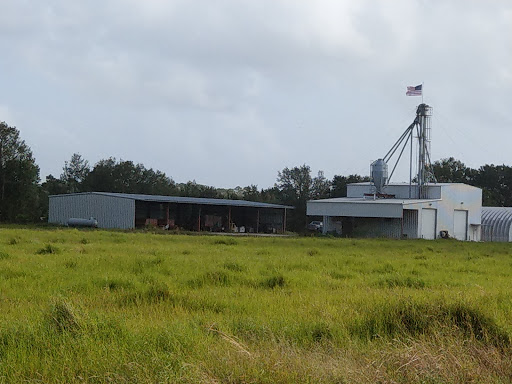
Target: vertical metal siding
pixel 111 212
pixel 378 227
pixel 410 223
pixel 496 224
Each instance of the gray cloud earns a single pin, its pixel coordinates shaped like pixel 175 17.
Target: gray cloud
pixel 230 92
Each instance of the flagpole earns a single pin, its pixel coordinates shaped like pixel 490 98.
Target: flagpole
pixel 422 91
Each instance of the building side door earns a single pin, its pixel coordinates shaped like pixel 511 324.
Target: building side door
pixel 428 223
pixel 460 224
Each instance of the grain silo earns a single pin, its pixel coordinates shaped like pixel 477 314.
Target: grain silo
pixel 420 209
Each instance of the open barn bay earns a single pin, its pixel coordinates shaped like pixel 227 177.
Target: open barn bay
pixel 104 306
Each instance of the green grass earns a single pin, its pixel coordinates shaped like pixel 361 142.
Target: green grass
pixel 108 306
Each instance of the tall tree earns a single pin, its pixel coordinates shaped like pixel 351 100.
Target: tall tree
pixel 75 172
pixel 19 177
pixel 450 170
pixel 496 183
pixel 271 195
pixel 295 189
pixel 108 175
pixel 193 189
pixel 320 187
pixel 251 193
pixel 339 184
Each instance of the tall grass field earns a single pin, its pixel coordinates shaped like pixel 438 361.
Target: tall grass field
pixel 91 306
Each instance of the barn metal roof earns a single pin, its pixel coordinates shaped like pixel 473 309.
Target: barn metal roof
pixel 496 223
pixel 183 200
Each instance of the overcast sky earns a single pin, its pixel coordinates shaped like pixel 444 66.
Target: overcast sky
pixel 229 92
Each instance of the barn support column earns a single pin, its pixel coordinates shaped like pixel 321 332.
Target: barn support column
pixel 199 220
pixel 258 221
pixel 167 214
pixel 229 219
pixel 284 221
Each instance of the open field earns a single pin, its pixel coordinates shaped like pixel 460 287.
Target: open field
pixel 99 306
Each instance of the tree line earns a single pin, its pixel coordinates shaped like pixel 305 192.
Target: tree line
pixel 24 198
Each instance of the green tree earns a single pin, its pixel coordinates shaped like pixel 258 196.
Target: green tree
pixel 295 187
pixel 74 173
pixel 450 170
pixel 339 184
pixel 101 178
pixel 271 195
pixel 251 193
pixel 320 187
pixel 19 177
pixel 54 186
pixel 496 184
pixel 193 189
pixel 108 175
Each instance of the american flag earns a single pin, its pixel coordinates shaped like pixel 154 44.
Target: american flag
pixel 414 91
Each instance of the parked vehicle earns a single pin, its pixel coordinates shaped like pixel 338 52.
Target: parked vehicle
pixel 316 226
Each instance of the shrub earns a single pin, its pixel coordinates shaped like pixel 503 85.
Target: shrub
pixel 14 241
pixel 116 284
pixel 273 282
pixel 233 266
pixel 71 264
pixel 217 278
pixel 157 292
pixel 225 241
pixel 48 249
pixel 409 319
pixel 400 281
pixel 62 317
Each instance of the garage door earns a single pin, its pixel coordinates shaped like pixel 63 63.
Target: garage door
pixel 428 223
pixel 460 224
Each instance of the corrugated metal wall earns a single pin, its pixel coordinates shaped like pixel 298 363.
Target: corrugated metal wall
pixel 111 212
pixel 410 223
pixel 496 223
pixel 377 227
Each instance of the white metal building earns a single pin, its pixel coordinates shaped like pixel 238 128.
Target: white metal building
pixel 452 210
pixel 497 224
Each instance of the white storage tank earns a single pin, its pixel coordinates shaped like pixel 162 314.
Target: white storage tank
pixel 78 222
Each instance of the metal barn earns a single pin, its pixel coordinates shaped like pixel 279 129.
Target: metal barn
pixel 497 224
pixel 127 211
pixel 448 210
